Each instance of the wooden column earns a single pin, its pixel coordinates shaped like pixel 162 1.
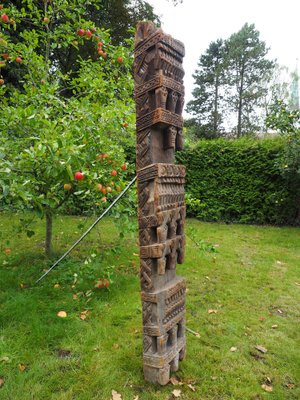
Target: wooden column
pixel 159 95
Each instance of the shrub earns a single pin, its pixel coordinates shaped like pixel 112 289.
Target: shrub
pixel 238 181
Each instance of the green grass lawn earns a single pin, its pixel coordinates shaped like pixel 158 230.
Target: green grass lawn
pixel 250 285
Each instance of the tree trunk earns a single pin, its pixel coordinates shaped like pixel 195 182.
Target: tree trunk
pixel 216 105
pixel 48 244
pixel 240 107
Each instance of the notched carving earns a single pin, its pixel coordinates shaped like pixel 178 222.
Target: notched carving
pixel 159 95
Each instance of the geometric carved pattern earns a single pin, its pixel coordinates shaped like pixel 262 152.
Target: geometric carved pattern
pixel 159 96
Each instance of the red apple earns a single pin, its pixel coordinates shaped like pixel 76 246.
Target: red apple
pixel 124 167
pixel 81 32
pixel 43 81
pixel 46 20
pixel 104 199
pixel 113 172
pixel 108 189
pixel 79 176
pixel 120 60
pixel 88 34
pixel 19 59
pixel 6 56
pixel 103 190
pixel 100 44
pixel 99 187
pixel 67 186
pixel 1 81
pixel 4 18
pixel 118 188
pixel 7 251
pixel 125 124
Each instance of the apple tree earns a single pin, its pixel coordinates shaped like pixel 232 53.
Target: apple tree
pixel 52 146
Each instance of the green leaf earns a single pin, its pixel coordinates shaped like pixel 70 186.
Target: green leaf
pixel 30 233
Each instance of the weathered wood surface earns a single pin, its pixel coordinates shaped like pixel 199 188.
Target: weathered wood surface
pixel 159 96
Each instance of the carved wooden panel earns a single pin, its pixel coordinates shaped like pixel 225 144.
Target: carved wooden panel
pixel 159 95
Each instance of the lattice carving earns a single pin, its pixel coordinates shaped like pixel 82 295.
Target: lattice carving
pixel 159 95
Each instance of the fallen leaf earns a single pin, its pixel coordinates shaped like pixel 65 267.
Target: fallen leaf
pixel 136 398
pixel 176 393
pixel 233 349
pixel 84 314
pixel 75 296
pixel 175 381
pixel 212 311
pixel 274 326
pixel 214 378
pixel 267 388
pixel 56 286
pixel 24 285
pixel 1 382
pixel 192 387
pixel 4 359
pixel 62 314
pixel 22 367
pixel 280 311
pixel 261 349
pixel 261 318
pixel 288 385
pixel 297 284
pixel 116 395
pixel 116 346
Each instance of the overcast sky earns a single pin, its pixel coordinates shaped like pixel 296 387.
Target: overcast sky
pixel 198 22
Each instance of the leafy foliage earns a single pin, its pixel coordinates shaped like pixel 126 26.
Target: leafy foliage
pixel 209 79
pixel 239 181
pixel 287 122
pixel 48 137
pixel 231 84
pixel 117 17
pixel 246 65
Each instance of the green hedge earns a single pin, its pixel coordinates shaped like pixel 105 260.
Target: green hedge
pixel 238 181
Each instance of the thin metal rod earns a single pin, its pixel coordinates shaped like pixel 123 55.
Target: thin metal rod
pixel 88 231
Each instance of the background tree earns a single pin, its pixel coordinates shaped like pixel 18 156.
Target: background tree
pixel 283 119
pixel 231 83
pixel 119 17
pixel 246 66
pixel 52 147
pixel 207 106
pixel 295 105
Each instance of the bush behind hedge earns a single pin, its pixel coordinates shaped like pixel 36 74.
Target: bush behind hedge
pixel 238 181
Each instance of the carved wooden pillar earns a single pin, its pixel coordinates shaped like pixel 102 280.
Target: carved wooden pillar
pixel 159 95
